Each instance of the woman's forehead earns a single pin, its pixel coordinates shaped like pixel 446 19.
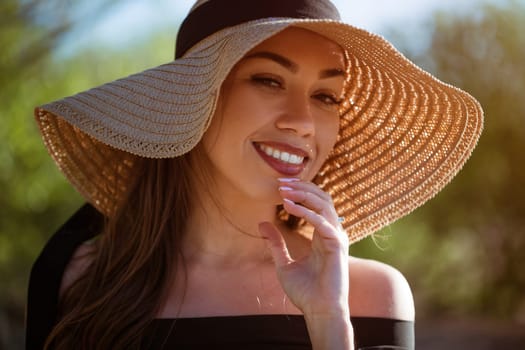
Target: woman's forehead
pixel 295 42
pixel 300 37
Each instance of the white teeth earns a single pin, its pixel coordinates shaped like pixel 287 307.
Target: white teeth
pixel 282 156
pixel 295 159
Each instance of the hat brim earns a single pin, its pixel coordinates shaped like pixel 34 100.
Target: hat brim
pixel 403 138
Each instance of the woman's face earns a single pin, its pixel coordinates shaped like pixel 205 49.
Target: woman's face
pixel 278 113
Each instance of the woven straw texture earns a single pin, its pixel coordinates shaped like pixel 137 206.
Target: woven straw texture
pixel 404 137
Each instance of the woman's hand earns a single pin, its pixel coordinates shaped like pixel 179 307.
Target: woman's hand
pixel 318 283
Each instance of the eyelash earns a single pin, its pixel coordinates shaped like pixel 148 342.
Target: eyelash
pixel 267 81
pixel 275 83
pixel 328 99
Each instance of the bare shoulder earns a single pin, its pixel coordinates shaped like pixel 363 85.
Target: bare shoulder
pixel 379 290
pixel 80 260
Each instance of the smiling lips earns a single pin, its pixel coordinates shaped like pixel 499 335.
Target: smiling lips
pixel 282 158
pixel 282 155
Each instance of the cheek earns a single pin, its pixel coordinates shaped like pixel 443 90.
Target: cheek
pixel 246 111
pixel 328 132
pixel 326 138
pixel 334 131
pixel 210 137
pixel 237 115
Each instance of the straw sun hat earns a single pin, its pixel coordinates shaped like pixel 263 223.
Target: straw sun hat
pixel 404 136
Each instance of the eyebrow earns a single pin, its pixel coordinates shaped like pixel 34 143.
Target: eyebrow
pixel 292 66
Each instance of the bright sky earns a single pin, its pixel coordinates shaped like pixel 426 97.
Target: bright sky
pixel 133 19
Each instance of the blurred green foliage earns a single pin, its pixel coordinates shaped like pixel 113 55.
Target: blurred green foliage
pixel 462 252
pixel 34 197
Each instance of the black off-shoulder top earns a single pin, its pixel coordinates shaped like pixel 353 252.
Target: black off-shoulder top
pixel 272 332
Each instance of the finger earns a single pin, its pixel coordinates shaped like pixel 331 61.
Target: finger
pixel 311 196
pixel 323 227
pixel 311 201
pixel 306 186
pixel 276 244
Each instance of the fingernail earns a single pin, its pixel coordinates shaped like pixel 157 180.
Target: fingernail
pixel 288 201
pixel 288 179
pixel 285 188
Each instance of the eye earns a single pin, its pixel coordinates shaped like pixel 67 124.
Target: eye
pixel 328 99
pixel 268 81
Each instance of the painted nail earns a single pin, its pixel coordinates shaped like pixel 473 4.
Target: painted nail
pixel 285 188
pixel 288 201
pixel 288 179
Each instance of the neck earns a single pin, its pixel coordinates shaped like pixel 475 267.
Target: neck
pixel 223 229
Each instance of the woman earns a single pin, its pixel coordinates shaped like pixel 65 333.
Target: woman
pixel 229 183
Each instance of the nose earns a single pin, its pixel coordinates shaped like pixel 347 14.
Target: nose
pixel 296 116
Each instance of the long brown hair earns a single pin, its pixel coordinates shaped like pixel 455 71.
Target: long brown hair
pixel 111 304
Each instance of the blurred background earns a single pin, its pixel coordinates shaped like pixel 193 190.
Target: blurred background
pixel 463 252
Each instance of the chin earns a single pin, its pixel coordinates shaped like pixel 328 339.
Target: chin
pixel 268 193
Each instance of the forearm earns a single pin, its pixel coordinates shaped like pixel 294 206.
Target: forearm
pixel 330 332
